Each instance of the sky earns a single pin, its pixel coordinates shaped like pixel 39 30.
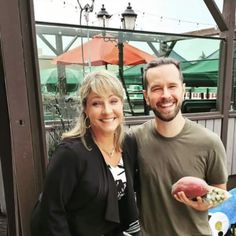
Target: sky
pixel 176 16
pixel 167 16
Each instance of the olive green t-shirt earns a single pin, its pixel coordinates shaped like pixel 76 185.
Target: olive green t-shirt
pixel 195 151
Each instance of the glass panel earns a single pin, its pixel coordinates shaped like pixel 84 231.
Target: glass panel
pixel 161 16
pixel 233 103
pixel 61 78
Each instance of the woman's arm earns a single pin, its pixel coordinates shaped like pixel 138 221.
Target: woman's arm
pixel 59 184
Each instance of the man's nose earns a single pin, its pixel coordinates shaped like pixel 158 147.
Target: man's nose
pixel 165 92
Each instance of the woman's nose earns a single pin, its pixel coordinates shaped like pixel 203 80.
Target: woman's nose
pixel 107 108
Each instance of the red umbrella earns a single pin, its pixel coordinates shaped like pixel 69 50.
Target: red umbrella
pixel 131 56
pixel 98 51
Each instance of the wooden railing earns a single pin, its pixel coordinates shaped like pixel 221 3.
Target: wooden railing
pixel 211 121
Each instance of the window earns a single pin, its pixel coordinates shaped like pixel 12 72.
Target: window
pixel 198 56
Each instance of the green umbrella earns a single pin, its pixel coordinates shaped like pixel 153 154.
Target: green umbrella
pixel 204 66
pixel 203 73
pixel 133 75
pixel 50 76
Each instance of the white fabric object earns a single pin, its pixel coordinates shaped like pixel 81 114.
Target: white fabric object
pixel 219 222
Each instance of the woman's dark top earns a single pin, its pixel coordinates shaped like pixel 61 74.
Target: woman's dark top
pixel 80 195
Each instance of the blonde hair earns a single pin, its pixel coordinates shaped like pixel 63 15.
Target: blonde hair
pixel 99 82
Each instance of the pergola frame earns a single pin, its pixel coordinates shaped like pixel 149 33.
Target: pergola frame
pixel 22 137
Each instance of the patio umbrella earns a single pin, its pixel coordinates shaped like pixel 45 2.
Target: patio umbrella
pixel 101 51
pixel 50 81
pixel 131 56
pixel 98 51
pixel 50 76
pixel 203 73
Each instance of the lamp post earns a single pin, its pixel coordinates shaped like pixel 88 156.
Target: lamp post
pixel 87 9
pixel 129 18
pixel 103 17
pixel 128 22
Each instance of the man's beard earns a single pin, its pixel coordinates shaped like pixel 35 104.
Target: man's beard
pixel 166 116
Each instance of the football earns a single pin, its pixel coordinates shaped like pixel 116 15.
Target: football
pixel 191 186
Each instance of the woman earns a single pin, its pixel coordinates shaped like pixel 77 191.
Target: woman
pixel 88 189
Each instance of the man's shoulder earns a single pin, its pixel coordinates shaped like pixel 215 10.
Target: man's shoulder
pixel 202 131
pixel 143 127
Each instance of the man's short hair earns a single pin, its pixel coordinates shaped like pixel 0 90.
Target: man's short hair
pixel 159 62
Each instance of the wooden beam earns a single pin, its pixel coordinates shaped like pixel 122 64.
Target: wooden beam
pixel 204 32
pixel 226 65
pixel 6 159
pixel 22 86
pixel 216 14
pixel 207 32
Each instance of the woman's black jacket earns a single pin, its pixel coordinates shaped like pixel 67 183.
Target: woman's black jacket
pixel 80 195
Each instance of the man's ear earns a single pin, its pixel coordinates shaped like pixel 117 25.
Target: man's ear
pixel 146 97
pixel 184 89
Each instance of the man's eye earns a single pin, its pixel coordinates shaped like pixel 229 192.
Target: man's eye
pixel 156 89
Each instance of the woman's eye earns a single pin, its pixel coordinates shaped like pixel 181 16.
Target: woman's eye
pixel 114 101
pixel 96 103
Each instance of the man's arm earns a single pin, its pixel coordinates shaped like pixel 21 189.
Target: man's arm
pixel 222 186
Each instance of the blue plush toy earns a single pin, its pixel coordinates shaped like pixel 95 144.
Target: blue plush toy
pixel 223 216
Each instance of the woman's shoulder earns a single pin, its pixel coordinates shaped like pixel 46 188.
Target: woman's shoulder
pixel 70 153
pixel 70 143
pixel 69 148
pixel 129 140
pixel 130 147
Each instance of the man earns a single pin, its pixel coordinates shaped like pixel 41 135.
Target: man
pixel 170 147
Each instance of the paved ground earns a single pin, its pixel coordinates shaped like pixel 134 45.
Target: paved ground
pixel 3 225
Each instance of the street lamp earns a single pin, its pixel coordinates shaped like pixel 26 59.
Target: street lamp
pixel 129 18
pixel 103 17
pixel 128 22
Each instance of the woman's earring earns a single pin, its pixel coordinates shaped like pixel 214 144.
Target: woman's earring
pixel 87 122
